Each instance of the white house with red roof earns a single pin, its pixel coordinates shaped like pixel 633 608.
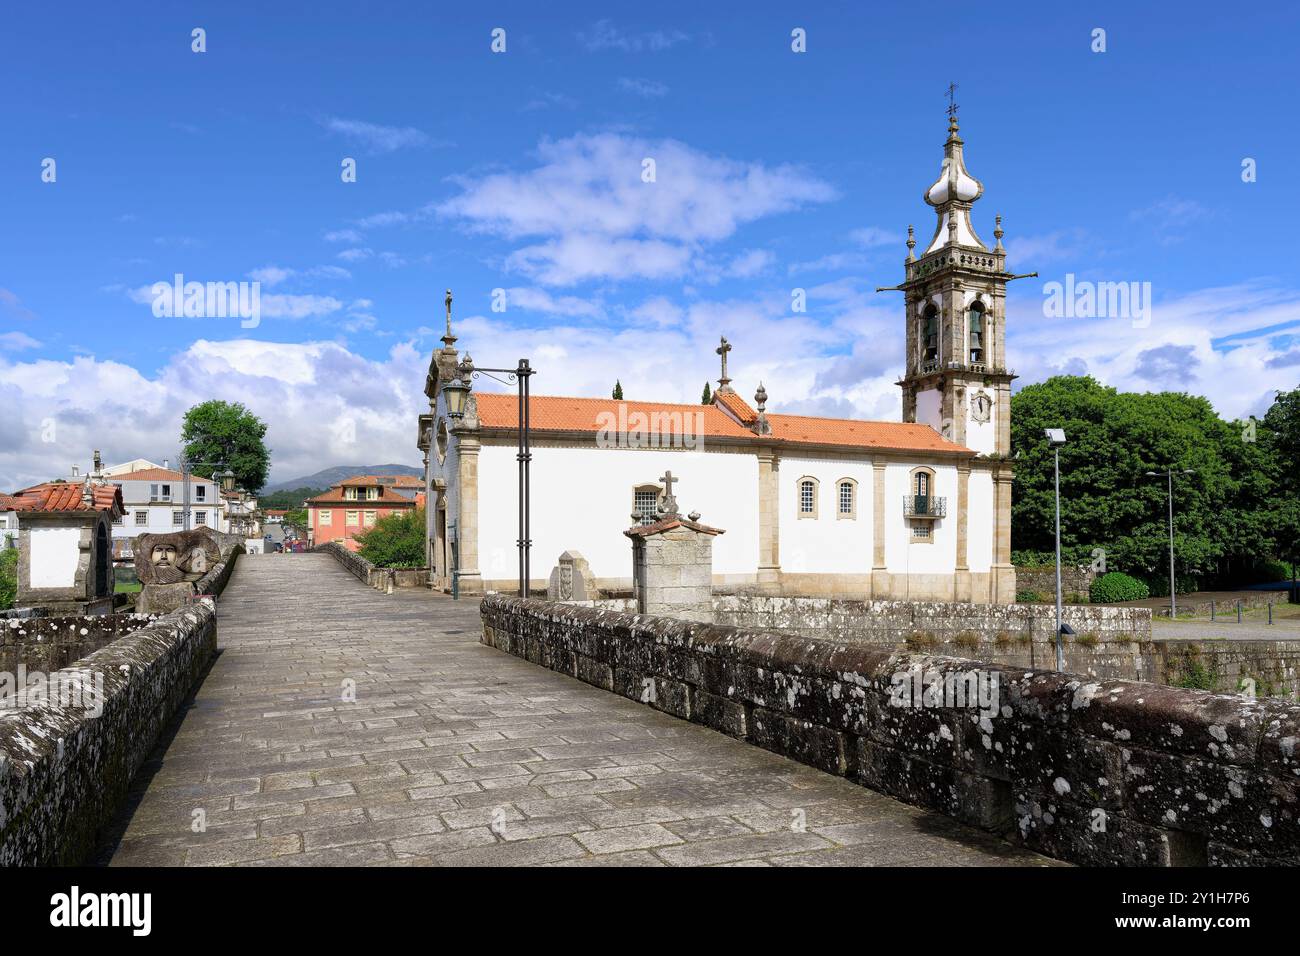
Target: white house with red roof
pixel 918 509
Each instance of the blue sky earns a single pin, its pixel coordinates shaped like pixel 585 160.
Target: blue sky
pixel 521 171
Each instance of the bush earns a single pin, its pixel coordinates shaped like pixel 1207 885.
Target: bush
pixel 8 578
pixel 1029 597
pixel 1115 586
pixel 1274 570
pixel 396 541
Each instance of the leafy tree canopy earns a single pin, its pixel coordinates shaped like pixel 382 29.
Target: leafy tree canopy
pixel 1227 516
pixel 396 540
pixel 227 433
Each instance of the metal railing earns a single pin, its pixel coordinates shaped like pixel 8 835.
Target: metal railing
pixel 925 506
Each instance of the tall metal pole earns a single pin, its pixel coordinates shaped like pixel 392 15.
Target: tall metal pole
pixel 525 372
pixel 185 492
pixel 1060 651
pixel 1173 600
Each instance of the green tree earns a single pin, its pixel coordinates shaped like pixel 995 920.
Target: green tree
pixel 618 390
pixel 1107 499
pixel 297 519
pixel 227 433
pixel 8 577
pixel 1279 442
pixel 707 397
pixel 396 540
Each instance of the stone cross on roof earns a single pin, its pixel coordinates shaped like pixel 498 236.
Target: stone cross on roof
pixel 724 383
pixel 668 505
pixel 448 340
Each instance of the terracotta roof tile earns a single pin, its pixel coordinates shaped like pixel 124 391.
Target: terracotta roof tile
pixel 157 474
pixel 556 413
pixel 67 496
pixel 736 405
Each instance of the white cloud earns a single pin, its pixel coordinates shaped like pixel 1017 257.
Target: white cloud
pixel 343 235
pixel 379 139
pixel 356 255
pixel 299 390
pixel 647 89
pixel 539 300
pixel 17 341
pixel 603 35
pixel 870 236
pixel 270 275
pixel 597 218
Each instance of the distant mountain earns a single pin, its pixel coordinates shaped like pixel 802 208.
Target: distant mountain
pixel 328 477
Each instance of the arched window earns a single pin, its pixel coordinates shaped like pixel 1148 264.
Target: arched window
pixel 975 318
pixel 846 498
pixel 930 333
pixel 807 497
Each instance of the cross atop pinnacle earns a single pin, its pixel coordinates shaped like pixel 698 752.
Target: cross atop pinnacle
pixel 448 340
pixel 724 383
pixel 952 101
pixel 669 504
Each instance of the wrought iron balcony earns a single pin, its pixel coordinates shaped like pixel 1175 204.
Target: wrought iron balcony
pixel 925 506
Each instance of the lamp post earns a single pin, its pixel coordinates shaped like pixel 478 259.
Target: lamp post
pixel 1056 436
pixel 1168 474
pixel 225 480
pixel 457 392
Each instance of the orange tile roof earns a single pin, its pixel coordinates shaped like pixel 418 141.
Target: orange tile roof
pixel 158 474
pixel 736 405
pixel 7 502
pixel 554 413
pixel 66 496
pixel 393 481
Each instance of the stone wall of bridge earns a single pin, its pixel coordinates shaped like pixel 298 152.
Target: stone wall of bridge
pixel 1105 772
pixel 381 579
pixel 65 769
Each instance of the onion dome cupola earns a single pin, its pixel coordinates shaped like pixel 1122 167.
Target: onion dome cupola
pixel 952 195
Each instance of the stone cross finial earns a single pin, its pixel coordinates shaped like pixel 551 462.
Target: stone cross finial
pixel 952 101
pixel 448 340
pixel 669 504
pixel 724 383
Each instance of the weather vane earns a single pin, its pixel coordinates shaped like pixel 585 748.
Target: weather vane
pixel 952 100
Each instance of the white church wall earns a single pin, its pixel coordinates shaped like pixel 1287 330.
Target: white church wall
pixel 929 408
pixel 826 543
pixel 979 522
pixel 903 554
pixel 582 500
pixel 54 558
pixel 982 436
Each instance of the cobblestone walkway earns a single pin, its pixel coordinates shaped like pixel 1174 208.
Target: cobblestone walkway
pixel 455 753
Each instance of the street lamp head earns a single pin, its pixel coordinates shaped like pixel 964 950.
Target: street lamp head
pixel 1153 474
pixel 1189 471
pixel 227 479
pixel 456 389
pixel 1055 435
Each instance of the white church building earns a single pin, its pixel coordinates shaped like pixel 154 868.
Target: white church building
pixel 918 509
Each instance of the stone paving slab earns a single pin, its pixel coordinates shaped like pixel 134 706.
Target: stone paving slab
pixel 344 727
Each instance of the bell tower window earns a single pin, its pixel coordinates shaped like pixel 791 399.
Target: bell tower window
pixel 976 320
pixel 930 332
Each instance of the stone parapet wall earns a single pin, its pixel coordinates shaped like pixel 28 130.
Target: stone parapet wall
pixel 381 579
pixel 1075 581
pixel 64 773
pixel 53 643
pixel 893 622
pixel 1102 772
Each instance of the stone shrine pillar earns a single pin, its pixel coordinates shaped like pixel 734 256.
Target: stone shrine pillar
pixel 571 579
pixel 672 562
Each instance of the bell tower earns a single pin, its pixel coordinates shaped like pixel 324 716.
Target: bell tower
pixel 957 380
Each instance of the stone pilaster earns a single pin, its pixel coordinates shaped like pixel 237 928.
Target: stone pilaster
pixel 1004 573
pixel 961 577
pixel 879 525
pixel 467 446
pixel 769 520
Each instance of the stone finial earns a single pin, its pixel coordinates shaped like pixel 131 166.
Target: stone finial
pixel 761 424
pixel 911 243
pixel 998 233
pixel 694 516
